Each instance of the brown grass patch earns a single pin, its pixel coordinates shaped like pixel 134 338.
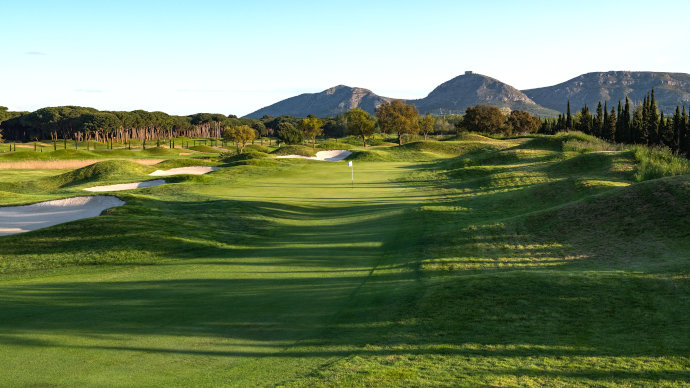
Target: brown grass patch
pixel 65 164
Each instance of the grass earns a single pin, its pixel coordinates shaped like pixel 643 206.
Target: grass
pixel 657 163
pixel 473 263
pixel 294 150
pixel 206 149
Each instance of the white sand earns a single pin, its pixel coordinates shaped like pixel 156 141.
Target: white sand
pixel 331 156
pixel 126 186
pixel 196 170
pixel 19 219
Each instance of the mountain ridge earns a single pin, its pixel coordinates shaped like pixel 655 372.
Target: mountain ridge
pixel 670 89
pixel 469 89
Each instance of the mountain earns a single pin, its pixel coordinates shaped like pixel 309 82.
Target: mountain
pixel 670 90
pixel 330 102
pixel 470 89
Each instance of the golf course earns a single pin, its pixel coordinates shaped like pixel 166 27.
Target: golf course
pixel 527 261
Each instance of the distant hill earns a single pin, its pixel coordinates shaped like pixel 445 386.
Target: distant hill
pixel 670 90
pixel 330 102
pixel 470 89
pixel 456 95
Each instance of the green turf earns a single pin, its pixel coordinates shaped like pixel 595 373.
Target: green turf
pixel 479 262
pixel 294 150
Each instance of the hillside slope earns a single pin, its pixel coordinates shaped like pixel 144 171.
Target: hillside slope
pixel 671 90
pixel 469 89
pixel 330 102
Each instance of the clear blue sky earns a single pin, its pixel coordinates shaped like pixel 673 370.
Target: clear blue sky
pixel 235 57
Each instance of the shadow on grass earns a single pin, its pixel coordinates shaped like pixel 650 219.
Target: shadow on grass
pixel 548 270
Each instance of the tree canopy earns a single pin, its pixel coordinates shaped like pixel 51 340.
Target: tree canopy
pixel 311 127
pixel 520 122
pixel 426 125
pixel 484 118
pixel 241 135
pixel 360 124
pixel 288 134
pixel 399 118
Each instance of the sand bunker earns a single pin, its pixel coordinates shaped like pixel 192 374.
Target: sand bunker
pixel 196 170
pixel 330 156
pixel 19 219
pixel 126 186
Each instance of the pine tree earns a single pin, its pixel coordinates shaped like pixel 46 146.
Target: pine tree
pixel 569 118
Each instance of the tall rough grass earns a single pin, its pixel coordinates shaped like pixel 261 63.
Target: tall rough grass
pixel 655 163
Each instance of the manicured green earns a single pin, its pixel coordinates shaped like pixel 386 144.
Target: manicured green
pixel 467 262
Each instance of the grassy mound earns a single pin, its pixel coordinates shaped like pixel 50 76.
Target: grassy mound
pixel 568 141
pixel 357 142
pixel 441 148
pixel 468 136
pixel 257 148
pixel 161 151
pixel 294 150
pixel 613 164
pixel 654 163
pixel 206 149
pixel 335 145
pixel 628 229
pixel 63 154
pixel 106 171
pixel 175 163
pixel 417 151
pixel 243 157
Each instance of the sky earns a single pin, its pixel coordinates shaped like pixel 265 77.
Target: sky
pixel 235 57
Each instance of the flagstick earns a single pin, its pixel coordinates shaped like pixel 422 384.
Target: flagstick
pixel 353 173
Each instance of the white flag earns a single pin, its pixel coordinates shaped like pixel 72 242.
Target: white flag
pixel 349 164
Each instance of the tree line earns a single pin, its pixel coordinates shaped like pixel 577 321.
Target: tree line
pixel 86 124
pixel 644 124
pixel 395 117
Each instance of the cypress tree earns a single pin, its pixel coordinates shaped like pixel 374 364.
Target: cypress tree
pixel 598 122
pixel 685 134
pixel 627 122
pixel 663 132
pixel 653 120
pixel 676 130
pixel 620 137
pixel 569 118
pixel 611 125
pixel 643 129
pixel 638 125
pixel 585 123
pixel 604 128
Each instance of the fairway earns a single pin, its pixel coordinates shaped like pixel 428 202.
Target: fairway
pixel 469 262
